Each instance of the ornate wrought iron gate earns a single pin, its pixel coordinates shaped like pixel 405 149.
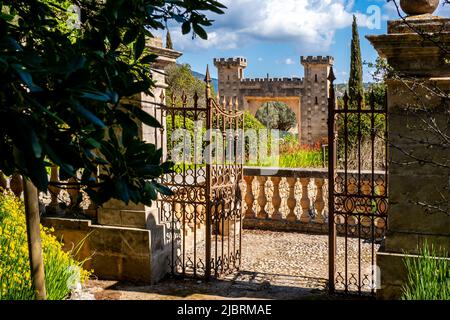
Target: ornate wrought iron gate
pixel 358 191
pixel 203 217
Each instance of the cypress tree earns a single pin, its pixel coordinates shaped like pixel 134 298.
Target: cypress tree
pixel 355 83
pixel 169 44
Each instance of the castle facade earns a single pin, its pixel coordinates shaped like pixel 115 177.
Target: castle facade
pixel 307 96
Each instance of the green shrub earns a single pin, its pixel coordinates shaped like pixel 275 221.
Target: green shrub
pixel 250 122
pixel 428 276
pixel 62 271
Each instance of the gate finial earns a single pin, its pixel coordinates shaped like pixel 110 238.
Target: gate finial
pixel 331 76
pixel 207 76
pixel 208 82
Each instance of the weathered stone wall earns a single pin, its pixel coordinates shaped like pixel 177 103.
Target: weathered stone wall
pixel 420 65
pixel 114 253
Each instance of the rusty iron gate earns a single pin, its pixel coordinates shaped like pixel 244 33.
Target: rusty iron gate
pixel 203 218
pixel 358 190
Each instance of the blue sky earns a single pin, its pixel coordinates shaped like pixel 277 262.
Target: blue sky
pixel 273 34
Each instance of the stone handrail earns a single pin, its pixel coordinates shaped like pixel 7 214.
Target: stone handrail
pixel 57 201
pixel 285 199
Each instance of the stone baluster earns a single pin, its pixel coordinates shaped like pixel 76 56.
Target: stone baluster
pixel 3 183
pixel 54 207
pixel 249 198
pixel 16 185
pixel 91 211
pixel 276 198
pixel 73 192
pixel 262 199
pixel 305 201
pixel 291 201
pixel 320 202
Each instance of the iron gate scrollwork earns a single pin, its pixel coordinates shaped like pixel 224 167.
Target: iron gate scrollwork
pixel 203 217
pixel 358 190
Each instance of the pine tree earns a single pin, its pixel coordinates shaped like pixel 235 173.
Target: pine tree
pixel 355 83
pixel 169 44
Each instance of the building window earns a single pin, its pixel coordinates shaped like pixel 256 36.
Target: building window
pixel 228 77
pixel 315 78
pixel 317 101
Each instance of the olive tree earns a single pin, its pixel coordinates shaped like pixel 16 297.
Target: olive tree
pixel 276 115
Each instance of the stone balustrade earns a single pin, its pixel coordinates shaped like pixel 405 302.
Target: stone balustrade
pixel 286 199
pixel 59 200
pixel 276 199
pixel 297 199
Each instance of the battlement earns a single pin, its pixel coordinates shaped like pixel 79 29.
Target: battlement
pixel 235 62
pixel 294 81
pixel 317 60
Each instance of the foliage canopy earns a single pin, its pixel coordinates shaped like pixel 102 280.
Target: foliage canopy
pixel 62 90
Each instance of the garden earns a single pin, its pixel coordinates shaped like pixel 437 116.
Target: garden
pixel 64 274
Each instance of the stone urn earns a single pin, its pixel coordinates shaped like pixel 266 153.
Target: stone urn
pixel 417 7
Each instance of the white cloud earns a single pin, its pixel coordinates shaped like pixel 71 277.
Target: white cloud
pixel 311 24
pixel 289 61
pixel 260 59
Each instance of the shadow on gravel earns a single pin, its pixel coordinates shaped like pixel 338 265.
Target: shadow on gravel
pixel 241 285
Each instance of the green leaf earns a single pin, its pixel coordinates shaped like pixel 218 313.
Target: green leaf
pixel 37 173
pixel 143 116
pixel 26 78
pixel 149 58
pixel 149 171
pixel 93 143
pixel 150 189
pixel 200 31
pixel 162 189
pixel 122 190
pixel 98 96
pixel 136 87
pixel 36 145
pixel 76 64
pixel 167 167
pixel 89 115
pixel 6 17
pixel 130 36
pixel 186 27
pixel 139 46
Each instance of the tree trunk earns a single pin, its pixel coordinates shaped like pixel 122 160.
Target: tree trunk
pixel 34 238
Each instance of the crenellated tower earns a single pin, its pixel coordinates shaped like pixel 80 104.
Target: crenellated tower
pixel 315 97
pixel 230 74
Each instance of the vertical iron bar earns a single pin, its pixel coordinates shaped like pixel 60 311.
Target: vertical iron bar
pixel 347 104
pixel 173 174
pixel 358 200
pixel 331 177
pixel 185 187
pixel 208 178
pixel 197 201
pixel 224 212
pixel 241 173
pixel 372 213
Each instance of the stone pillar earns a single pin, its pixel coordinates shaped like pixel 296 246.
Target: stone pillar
pixel 411 182
pixel 117 213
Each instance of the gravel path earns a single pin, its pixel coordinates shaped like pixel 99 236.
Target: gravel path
pixel 275 265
